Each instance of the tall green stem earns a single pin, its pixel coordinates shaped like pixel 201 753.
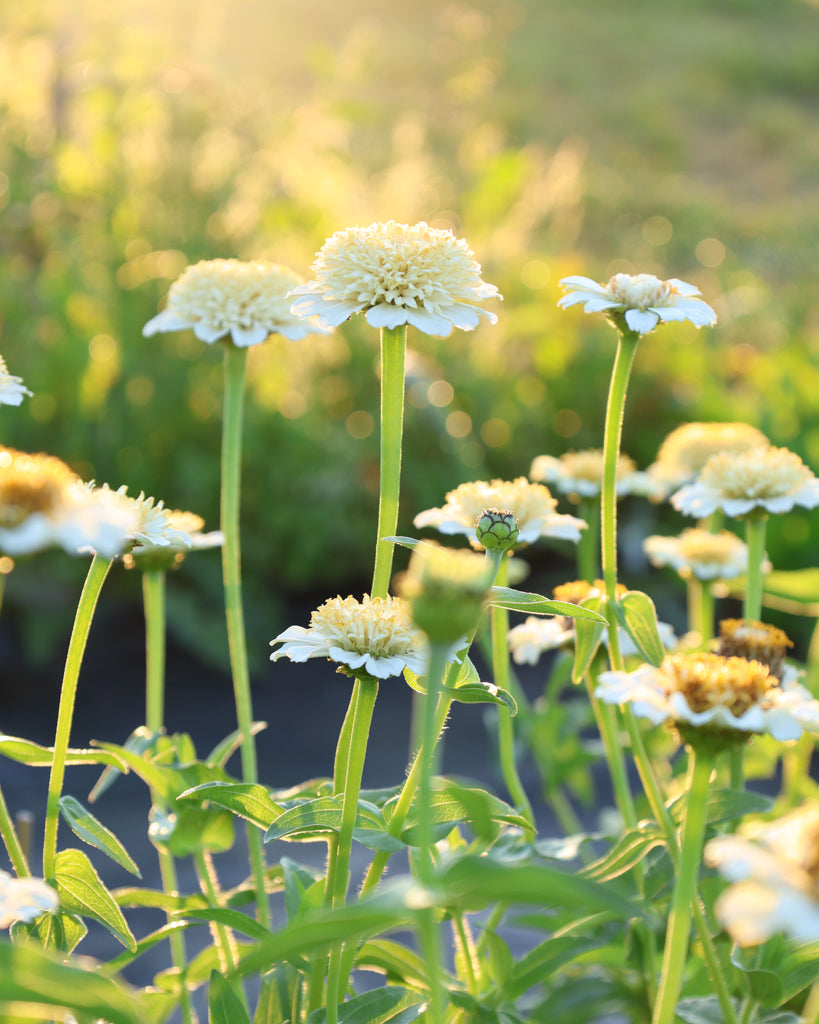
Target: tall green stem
pixel 588 547
pixel 700 608
pixel 234 371
pixel 755 528
pixel 393 349
pixel 97 572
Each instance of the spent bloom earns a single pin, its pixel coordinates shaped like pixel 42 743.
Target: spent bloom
pixel 531 504
pixel 757 641
pixel 642 299
pixel 245 301
pixel 767 479
pixel 374 635
pixel 686 449
pixel 12 389
pixel 397 274
pixel 701 554
pixel 774 871
pixel 580 474
pixel 716 694
pixel 25 899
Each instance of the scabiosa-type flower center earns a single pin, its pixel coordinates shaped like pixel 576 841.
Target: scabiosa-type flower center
pixel 29 484
pixel 377 626
pixel 757 473
pixel 708 680
pixel 639 291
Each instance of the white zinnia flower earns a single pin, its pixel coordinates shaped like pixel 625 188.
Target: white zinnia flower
pixel 581 474
pixel 774 868
pixel 765 478
pixel 701 554
pixel 155 525
pixel 247 301
pixel 178 533
pixel 398 274
pixel 531 504
pixel 716 693
pixel 686 449
pixel 644 299
pixel 12 389
pixel 375 635
pixel 25 899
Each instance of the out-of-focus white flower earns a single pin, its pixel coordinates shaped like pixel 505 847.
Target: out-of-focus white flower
pixel 686 449
pixel 12 389
pixel 155 526
pixel 25 899
pixel 245 301
pixel 643 299
pixel 701 554
pixel 532 505
pixel 765 478
pixel 714 693
pixel 397 274
pixel 375 635
pixel 580 474
pixel 774 868
pixel 178 533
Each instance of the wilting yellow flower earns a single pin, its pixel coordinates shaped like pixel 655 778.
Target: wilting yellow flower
pixel 247 301
pixel 398 274
pixel 765 478
pixel 701 554
pixel 12 389
pixel 643 299
pixel 580 474
pixel 25 899
pixel 685 451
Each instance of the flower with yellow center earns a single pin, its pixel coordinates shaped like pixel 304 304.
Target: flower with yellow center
pixel 25 899
pixel 532 505
pixel 397 274
pixel 774 871
pixel 713 693
pixel 766 479
pixel 155 526
pixel 43 504
pixel 685 451
pixel 12 389
pixel 643 299
pixel 181 531
pixel 245 301
pixel 580 474
pixel 374 635
pixel 701 554
pixel 746 638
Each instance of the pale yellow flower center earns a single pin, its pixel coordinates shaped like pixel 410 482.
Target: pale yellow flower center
pixel 230 293
pixel 378 626
pixel 454 569
pixel 639 291
pixel 576 591
pixel 700 547
pixel 708 681
pixel 757 473
pixel 588 465
pixel 398 264
pixel 526 501
pixel 30 483
pixel 188 522
pixel 692 445
pixel 746 638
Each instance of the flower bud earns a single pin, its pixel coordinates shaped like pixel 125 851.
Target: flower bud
pixel 446 589
pixel 496 529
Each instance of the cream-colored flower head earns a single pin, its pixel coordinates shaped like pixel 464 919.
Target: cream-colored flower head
pixel 25 899
pixel 766 478
pixel 774 868
pixel 532 505
pixel 397 274
pixel 177 532
pixel 580 474
pixel 12 389
pixel 155 526
pixel 720 695
pixel 758 641
pixel 44 504
pixel 701 554
pixel 643 300
pixel 374 635
pixel 245 301
pixel 685 451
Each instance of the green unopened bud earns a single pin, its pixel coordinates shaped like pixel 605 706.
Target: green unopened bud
pixel 446 589
pixel 497 529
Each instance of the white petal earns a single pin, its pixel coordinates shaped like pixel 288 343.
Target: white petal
pixel 207 333
pixel 641 320
pixel 244 337
pixel 428 323
pixel 387 315
pixel 577 281
pixel 683 287
pixel 167 320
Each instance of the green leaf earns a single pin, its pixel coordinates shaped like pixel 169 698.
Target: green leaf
pixel 251 802
pixel 535 604
pixel 140 740
pixel 639 617
pixel 298 880
pixel 395 960
pixel 61 932
pixel 279 992
pixel 404 542
pixel 315 819
pixel 629 850
pixel 388 1005
pixel 86 827
pixel 764 986
pixel 726 805
pixel 233 919
pixel 700 1010
pixel 82 892
pixel 226 748
pixel 30 975
pixel 224 1006
pixel 454 804
pixel 588 635
pixel 544 960
pixel 136 896
pixel 191 829
pixel 482 693
pixel 33 754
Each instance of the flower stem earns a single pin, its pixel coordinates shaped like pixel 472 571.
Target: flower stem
pixel 607 725
pixel 685 889
pixel 15 850
pixel 700 608
pixel 97 572
pixel 393 350
pixel 755 527
pixel 588 547
pixel 234 372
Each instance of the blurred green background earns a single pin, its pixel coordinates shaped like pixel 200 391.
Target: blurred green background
pixel 557 138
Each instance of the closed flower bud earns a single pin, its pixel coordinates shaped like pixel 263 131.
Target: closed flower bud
pixel 497 529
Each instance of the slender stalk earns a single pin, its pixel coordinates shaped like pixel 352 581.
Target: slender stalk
pixel 685 889
pixel 700 608
pixel 755 527
pixel 14 847
pixel 97 572
pixel 810 1011
pixel 223 940
pixel 588 547
pixel 607 725
pixel 234 372
pixel 393 349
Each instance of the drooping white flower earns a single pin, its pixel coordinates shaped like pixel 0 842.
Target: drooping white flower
pixel 245 301
pixel 774 868
pixel 396 274
pixel 531 504
pixel 643 299
pixel 25 899
pixel 686 449
pixel 770 479
pixel 12 389
pixel 580 474
pixel 375 635
pixel 701 554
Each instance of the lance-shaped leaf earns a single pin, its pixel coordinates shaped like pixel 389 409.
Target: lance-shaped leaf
pixel 316 819
pixel 535 604
pixel 588 635
pixel 387 1005
pixel 251 802
pixel 482 693
pixel 226 748
pixel 33 754
pixel 86 827
pixel 280 989
pixel 224 1006
pixel 639 617
pixel 455 804
pixel 140 740
pixel 81 892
